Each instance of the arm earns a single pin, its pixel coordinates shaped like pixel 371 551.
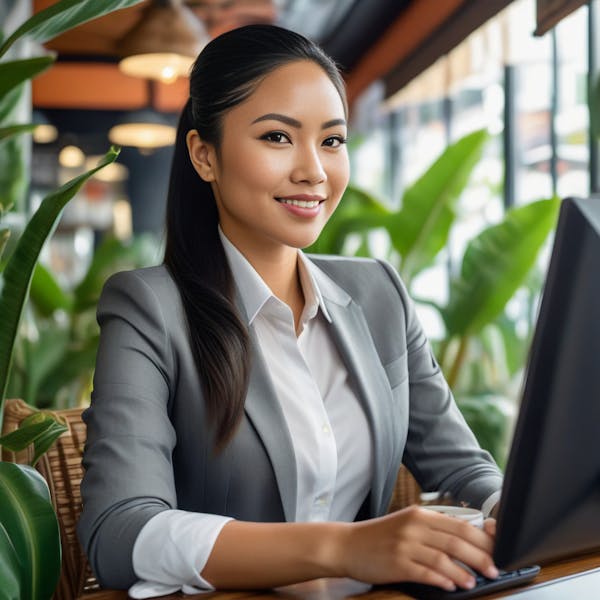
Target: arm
pixel 441 451
pixel 413 544
pixel 130 440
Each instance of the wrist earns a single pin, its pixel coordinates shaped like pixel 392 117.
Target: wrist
pixel 333 548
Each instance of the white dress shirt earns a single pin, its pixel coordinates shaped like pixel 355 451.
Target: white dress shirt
pixel 329 431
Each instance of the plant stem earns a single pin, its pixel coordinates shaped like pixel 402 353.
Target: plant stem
pixel 458 361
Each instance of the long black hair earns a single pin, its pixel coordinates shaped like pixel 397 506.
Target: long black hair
pixel 225 74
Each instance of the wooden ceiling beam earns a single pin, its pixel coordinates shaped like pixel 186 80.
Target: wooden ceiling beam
pixel 417 23
pixel 98 86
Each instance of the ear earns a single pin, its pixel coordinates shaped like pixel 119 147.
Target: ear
pixel 202 154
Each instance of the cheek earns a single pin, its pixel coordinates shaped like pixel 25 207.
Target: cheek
pixel 339 174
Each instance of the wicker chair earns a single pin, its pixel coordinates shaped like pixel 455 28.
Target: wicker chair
pixel 61 467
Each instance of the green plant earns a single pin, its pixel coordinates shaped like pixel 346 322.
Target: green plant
pixel 55 353
pixel 496 263
pixel 29 538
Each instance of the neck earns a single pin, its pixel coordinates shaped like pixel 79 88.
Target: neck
pixel 277 265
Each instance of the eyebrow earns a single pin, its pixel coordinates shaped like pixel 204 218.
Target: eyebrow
pixel 294 122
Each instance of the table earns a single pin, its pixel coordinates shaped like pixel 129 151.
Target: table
pixel 338 589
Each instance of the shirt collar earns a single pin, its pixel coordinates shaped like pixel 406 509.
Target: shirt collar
pixel 255 293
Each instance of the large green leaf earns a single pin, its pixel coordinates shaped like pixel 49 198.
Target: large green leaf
pixel 46 294
pixel 112 255
pixel 357 212
pixel 19 269
pixel 10 569
pixel 31 526
pixel 63 15
pixel 420 229
pixel 40 429
pixel 15 72
pixel 496 263
pixel 9 103
pixel 4 235
pixel 7 132
pixel 78 359
pixel 13 172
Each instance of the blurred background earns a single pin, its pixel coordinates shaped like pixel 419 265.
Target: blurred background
pixel 462 113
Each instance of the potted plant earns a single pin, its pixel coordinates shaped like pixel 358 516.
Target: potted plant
pixel 30 555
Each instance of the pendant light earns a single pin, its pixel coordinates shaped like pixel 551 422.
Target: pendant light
pixel 164 42
pixel 145 129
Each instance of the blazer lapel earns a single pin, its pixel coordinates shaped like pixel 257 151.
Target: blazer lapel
pixel 264 411
pixel 357 349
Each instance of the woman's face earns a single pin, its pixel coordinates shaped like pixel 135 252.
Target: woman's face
pixel 282 165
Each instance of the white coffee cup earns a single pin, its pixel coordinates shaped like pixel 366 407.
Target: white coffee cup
pixel 472 515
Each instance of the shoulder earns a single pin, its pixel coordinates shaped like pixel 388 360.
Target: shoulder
pixel 151 289
pixel 360 277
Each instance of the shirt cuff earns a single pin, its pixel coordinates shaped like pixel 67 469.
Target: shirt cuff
pixel 488 505
pixel 171 551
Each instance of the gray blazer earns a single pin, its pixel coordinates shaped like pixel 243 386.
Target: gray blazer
pixel 149 447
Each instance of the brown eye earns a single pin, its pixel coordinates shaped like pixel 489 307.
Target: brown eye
pixel 335 141
pixel 277 137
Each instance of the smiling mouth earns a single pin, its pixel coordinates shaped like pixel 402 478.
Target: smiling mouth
pixel 300 203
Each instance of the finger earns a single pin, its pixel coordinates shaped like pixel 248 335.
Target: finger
pixel 456 547
pixel 449 525
pixel 443 566
pixel 489 526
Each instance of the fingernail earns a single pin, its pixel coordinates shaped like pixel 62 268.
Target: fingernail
pixel 470 583
pixel 491 572
pixel 450 587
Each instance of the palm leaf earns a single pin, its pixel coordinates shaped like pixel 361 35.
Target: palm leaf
pixel 8 132
pixel 45 293
pixel 10 569
pixel 420 229
pixel 40 429
pixel 31 526
pixel 15 72
pixel 19 269
pixel 63 15
pixel 4 235
pixel 357 212
pixel 496 263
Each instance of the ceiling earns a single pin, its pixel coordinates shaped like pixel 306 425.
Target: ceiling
pixel 88 54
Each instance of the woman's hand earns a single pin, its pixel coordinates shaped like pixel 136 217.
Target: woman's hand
pixel 415 544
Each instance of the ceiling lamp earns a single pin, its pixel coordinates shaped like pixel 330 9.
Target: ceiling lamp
pixel 164 42
pixel 144 129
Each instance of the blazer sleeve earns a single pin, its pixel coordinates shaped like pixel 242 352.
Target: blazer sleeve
pixel 441 450
pixel 130 439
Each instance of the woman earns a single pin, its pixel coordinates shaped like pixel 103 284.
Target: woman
pixel 251 405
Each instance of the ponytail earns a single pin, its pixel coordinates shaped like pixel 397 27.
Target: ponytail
pixel 196 260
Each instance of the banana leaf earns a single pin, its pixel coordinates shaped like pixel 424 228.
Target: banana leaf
pixel 15 72
pixel 46 294
pixel 496 263
pixel 19 269
pixel 40 429
pixel 7 132
pixel 4 235
pixel 28 520
pixel 112 255
pixel 420 229
pixel 9 569
pixel 61 16
pixel 357 212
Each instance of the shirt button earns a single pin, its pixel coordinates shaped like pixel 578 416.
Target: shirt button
pixel 326 429
pixel 322 500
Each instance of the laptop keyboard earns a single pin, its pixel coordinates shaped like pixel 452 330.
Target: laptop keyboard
pixel 483 585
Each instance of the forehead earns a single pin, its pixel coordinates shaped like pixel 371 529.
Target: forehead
pixel 301 89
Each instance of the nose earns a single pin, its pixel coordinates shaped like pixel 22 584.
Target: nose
pixel 308 167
